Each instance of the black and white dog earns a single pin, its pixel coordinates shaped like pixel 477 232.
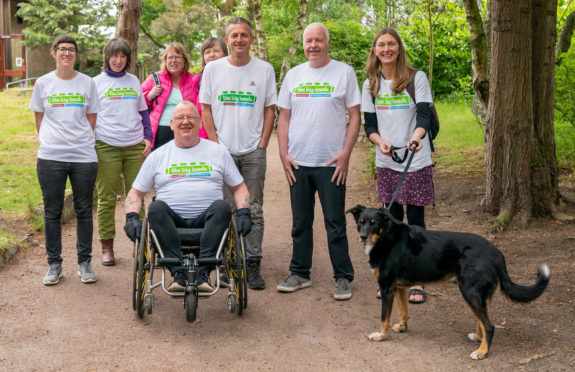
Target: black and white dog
pixel 401 256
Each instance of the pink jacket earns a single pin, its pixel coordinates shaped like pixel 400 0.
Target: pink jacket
pixel 197 84
pixel 188 88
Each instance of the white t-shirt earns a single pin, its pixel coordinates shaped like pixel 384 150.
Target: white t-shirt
pixel 396 119
pixel 318 98
pixel 190 179
pixel 119 122
pixel 238 95
pixel 65 133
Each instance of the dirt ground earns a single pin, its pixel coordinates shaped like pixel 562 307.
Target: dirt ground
pixel 75 326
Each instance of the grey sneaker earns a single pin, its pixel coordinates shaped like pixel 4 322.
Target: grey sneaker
pixel 86 273
pixel 293 283
pixel 342 289
pixel 53 275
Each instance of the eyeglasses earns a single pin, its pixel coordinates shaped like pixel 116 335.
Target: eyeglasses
pixel 69 50
pixel 174 58
pixel 180 119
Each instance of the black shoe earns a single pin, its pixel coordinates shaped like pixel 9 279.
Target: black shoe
pixel 179 283
pixel 204 284
pixel 255 280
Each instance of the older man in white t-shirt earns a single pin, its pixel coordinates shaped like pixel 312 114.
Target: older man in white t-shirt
pixel 238 96
pixel 315 144
pixel 188 174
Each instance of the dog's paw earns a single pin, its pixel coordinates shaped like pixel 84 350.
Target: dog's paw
pixel 473 337
pixel 478 355
pixel 376 336
pixel 399 328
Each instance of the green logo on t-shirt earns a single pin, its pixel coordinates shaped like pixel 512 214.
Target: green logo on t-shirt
pixel 313 90
pixel 68 99
pixel 239 98
pixel 121 92
pixel 189 170
pixel 393 100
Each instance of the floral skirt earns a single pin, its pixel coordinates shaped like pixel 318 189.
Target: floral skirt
pixel 417 188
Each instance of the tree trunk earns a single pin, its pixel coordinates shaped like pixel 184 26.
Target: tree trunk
pixel 301 17
pixel 510 115
pixel 479 53
pixel 254 12
pixel 128 27
pixel 564 42
pixel 544 170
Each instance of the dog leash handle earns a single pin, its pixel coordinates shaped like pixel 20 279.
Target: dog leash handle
pixel 401 180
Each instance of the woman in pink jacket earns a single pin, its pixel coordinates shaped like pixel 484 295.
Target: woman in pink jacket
pixel 176 85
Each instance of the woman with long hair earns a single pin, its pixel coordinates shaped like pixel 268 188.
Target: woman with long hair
pixel 392 118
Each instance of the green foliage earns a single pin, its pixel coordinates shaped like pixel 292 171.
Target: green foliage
pixel 350 43
pixel 452 51
pixel 85 20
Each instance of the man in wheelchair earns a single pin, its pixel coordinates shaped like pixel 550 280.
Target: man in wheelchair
pixel 188 175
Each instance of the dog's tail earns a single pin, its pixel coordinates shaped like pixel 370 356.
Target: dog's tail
pixel 523 293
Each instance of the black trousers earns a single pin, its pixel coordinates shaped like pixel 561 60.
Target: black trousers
pixel 164 221
pixel 310 180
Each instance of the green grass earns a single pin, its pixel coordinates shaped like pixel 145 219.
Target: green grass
pixel 565 144
pixel 19 189
pixel 459 144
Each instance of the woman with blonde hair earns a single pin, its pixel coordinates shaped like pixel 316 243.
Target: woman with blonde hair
pixel 392 118
pixel 176 84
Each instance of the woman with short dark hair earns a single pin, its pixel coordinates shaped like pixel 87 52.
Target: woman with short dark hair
pixel 123 137
pixel 212 48
pixel 65 104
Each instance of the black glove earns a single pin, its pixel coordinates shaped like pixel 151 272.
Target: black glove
pixel 133 227
pixel 244 221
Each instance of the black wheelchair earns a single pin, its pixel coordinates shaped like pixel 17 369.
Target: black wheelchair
pixel 229 262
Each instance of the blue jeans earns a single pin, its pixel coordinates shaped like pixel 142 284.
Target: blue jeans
pixel 52 176
pixel 310 180
pixel 252 167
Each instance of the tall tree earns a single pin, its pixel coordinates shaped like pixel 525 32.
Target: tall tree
pixel 300 21
pixel 128 27
pixel 254 11
pixel 82 19
pixel 479 54
pixel 521 167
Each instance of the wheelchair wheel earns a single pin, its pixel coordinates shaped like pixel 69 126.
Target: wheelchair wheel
pixel 143 269
pixel 235 266
pixel 191 303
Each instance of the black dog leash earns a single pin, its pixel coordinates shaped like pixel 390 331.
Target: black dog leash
pixel 399 160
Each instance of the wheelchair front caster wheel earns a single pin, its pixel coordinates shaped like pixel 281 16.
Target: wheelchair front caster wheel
pixel 232 302
pixel 149 303
pixel 191 303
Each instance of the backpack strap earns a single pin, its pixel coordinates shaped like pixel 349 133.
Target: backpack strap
pixel 156 78
pixel 156 82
